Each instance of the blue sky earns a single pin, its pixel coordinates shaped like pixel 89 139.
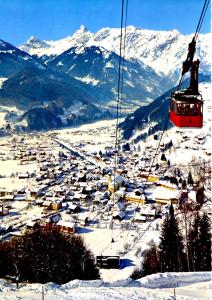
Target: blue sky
pixel 54 19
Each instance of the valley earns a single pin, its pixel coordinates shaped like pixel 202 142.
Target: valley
pixel 67 177
pixel 105 150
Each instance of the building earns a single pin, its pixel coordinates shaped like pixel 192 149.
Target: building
pixel 163 195
pixel 66 227
pixel 132 197
pixel 115 184
pixel 62 226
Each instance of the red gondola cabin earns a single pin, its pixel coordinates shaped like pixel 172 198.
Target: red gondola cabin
pixel 186 110
pixel 186 106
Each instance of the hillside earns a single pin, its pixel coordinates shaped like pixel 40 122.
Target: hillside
pixel 98 69
pixel 155 113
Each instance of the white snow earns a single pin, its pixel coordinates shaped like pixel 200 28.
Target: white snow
pixel 188 286
pixel 88 79
pixel 2 80
pixel 164 51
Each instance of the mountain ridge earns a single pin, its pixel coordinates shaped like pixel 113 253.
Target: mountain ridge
pixel 140 43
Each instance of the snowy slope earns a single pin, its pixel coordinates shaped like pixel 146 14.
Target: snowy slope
pixel 163 51
pixel 12 60
pixel 156 113
pixel 158 287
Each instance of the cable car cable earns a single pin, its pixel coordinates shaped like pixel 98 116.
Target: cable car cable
pixel 178 87
pixel 204 9
pixel 119 99
pixel 123 56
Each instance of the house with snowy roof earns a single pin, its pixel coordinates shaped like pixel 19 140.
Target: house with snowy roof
pixel 133 197
pixel 115 183
pixel 161 195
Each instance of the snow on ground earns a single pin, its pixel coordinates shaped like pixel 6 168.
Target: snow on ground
pixel 4 110
pixel 2 118
pixel 7 167
pixel 99 241
pixel 95 141
pixel 13 183
pixel 160 286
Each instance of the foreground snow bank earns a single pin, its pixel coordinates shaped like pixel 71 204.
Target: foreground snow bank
pixel 171 280
pixel 154 281
pixel 189 286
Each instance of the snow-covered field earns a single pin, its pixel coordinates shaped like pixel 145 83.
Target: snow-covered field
pixel 96 136
pixel 186 286
pixel 10 166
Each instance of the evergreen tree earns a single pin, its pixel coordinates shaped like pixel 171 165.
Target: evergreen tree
pixel 171 211
pixel 193 244
pixel 184 185
pixel 172 257
pixel 150 265
pixel 174 180
pixel 151 261
pixel 200 243
pixel 163 157
pixel 205 243
pixel 200 196
pixel 190 178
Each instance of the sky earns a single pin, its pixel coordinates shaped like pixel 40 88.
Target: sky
pixel 55 19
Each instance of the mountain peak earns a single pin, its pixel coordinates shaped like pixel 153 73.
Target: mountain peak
pixel 82 29
pixel 33 43
pixel 33 39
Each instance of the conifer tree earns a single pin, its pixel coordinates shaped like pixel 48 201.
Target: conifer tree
pixel 184 185
pixel 190 178
pixel 193 242
pixel 200 244
pixel 200 196
pixel 178 172
pixel 163 157
pixel 151 262
pixel 150 265
pixel 172 257
pixel 205 243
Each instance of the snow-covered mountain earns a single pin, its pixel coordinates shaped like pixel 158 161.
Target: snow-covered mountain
pixel 163 51
pixel 153 61
pixel 83 68
pixel 98 68
pixel 35 46
pixel 41 92
pixel 12 60
pixel 34 43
